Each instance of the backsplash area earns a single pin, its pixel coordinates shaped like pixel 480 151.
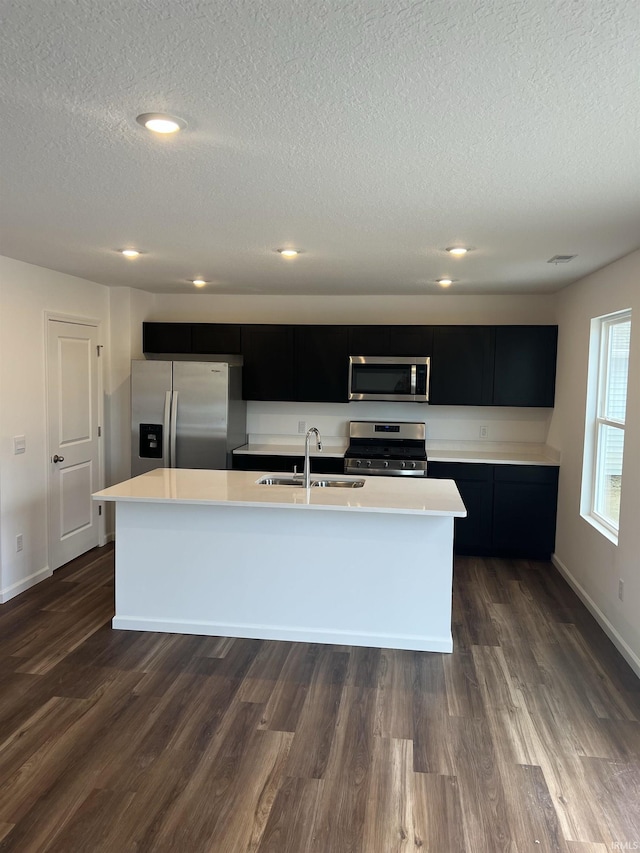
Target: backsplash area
pixel 277 422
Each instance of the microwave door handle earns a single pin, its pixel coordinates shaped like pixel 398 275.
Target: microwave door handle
pixel 413 378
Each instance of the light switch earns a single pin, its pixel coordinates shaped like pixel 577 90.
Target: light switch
pixel 19 444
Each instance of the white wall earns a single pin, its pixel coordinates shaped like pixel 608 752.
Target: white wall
pixel 26 293
pixel 593 563
pixel 128 310
pixel 444 423
pixel 438 309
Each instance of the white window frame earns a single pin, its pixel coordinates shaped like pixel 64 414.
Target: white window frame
pixel 599 386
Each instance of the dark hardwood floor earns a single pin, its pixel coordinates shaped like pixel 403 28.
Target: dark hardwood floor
pixel 526 738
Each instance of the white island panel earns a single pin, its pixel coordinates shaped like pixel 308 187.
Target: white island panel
pixel 269 573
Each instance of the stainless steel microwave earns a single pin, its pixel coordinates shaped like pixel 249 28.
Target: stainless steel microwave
pixel 384 377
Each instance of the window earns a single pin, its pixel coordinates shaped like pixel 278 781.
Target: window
pixel 606 410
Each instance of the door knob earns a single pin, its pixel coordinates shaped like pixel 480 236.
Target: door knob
pixel 57 458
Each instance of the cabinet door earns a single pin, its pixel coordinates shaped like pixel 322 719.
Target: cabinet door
pixel 166 337
pixel 215 338
pixel 368 340
pixel 390 340
pixel 462 366
pixel 268 358
pixel 525 365
pixel 472 535
pixel 524 510
pixel 321 363
pixel 410 340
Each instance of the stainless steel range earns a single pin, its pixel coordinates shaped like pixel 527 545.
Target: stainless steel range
pixel 387 449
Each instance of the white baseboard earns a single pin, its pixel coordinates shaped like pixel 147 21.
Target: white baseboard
pixel 16 588
pixel 292 635
pixel 621 645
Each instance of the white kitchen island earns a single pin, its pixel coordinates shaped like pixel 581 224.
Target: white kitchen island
pixel 213 552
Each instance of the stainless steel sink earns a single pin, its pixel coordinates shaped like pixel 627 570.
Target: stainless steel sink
pixel 316 484
pixel 338 484
pixel 280 481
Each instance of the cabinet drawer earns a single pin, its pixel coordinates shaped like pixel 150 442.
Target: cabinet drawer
pixel 526 474
pixel 460 471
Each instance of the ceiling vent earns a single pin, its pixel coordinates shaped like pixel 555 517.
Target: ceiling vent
pixel 561 259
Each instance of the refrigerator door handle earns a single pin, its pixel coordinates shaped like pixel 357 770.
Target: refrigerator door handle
pixel 165 429
pixel 174 429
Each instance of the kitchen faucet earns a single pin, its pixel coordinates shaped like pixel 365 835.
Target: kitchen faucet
pixel 306 471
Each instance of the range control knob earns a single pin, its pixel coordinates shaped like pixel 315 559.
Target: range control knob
pixel 368 463
pixel 403 464
pixel 358 463
pixel 386 464
pixel 413 464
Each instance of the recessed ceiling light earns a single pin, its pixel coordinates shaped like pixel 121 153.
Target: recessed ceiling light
pixel 288 253
pixel 199 282
pixel 444 282
pixel 457 250
pixel 130 253
pixel 161 123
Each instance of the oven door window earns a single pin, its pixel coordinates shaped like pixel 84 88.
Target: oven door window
pixel 381 379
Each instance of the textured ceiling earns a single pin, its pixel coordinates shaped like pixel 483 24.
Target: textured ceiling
pixel 371 134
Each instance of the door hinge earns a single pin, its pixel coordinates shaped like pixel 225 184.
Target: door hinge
pixel 99 510
pixel 98 348
pixel 99 432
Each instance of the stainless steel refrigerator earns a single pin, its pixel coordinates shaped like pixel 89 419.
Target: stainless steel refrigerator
pixel 185 414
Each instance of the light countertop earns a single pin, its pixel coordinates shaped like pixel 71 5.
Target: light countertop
pixel 333 449
pixel 417 496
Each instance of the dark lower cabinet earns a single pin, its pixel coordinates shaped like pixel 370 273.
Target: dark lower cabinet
pixel 525 501
pixel 321 363
pixel 319 464
pixel 472 535
pixel 511 509
pixel 462 366
pixel 267 372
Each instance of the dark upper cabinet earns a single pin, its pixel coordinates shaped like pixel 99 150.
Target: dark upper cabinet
pixel 524 510
pixel 470 365
pixel 410 340
pixel 462 366
pixel 525 365
pixel 321 363
pixel 166 337
pixel 368 340
pixel 216 338
pixel 268 362
pixel 390 340
pixel 472 535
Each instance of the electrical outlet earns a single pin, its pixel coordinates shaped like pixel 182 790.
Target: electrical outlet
pixel 19 544
pixel 484 431
pixel 621 589
pixel 302 427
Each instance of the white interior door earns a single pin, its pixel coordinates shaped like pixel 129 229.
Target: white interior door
pixel 73 439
